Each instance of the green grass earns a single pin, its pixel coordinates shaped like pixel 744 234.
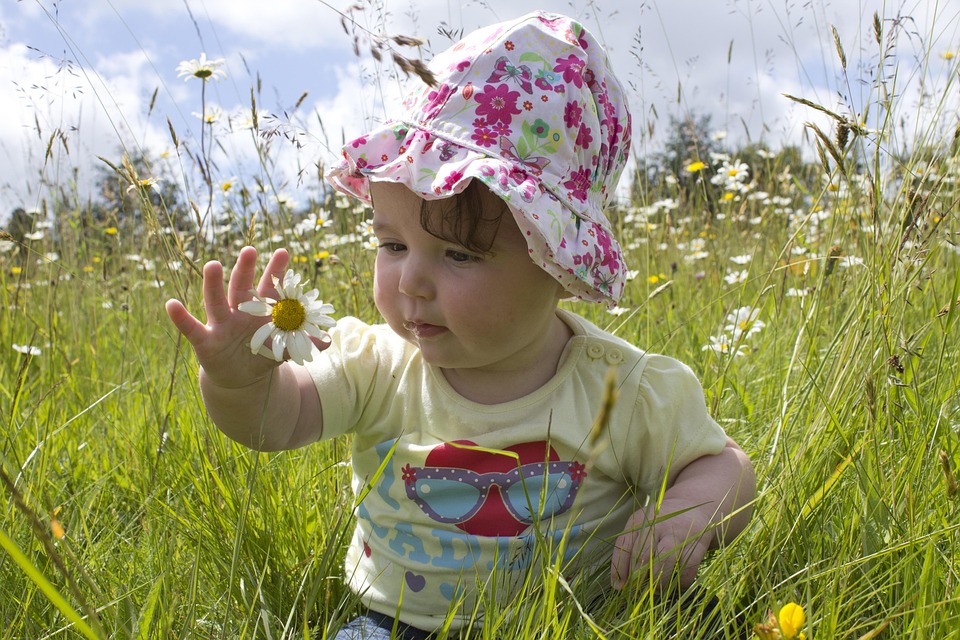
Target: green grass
pixel 847 400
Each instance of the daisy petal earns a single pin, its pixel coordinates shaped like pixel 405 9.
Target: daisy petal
pixel 299 347
pixel 279 344
pixel 260 337
pixel 291 283
pixel 312 329
pixel 322 321
pixel 257 307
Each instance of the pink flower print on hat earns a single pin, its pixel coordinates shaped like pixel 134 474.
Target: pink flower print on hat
pixel 497 104
pixel 531 108
pixel 436 100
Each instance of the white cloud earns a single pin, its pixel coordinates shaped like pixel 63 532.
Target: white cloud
pixel 301 24
pixel 674 55
pixel 77 113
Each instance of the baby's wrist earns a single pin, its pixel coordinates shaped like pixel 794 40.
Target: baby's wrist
pixel 231 383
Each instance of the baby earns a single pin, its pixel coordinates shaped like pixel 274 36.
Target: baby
pixel 473 411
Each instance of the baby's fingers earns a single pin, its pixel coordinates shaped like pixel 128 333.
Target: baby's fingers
pixel 191 328
pixel 242 275
pixel 214 298
pixel 632 550
pixel 275 268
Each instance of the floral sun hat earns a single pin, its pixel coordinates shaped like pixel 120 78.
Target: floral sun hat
pixel 531 108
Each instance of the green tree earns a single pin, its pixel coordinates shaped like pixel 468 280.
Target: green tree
pixel 20 224
pixel 134 190
pixel 689 139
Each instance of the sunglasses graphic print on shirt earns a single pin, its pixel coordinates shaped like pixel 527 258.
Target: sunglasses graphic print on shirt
pixel 493 493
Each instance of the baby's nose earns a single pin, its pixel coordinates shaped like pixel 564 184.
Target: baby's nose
pixel 417 278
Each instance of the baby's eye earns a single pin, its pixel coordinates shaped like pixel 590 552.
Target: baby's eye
pixel 392 247
pixel 461 256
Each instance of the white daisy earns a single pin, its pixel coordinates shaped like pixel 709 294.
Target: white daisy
pixel 294 318
pixel 202 68
pixel 26 349
pixel 736 277
pixel 724 344
pixel 744 322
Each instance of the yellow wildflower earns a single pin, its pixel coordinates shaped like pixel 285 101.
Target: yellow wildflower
pixel 785 627
pixel 696 166
pixel 792 618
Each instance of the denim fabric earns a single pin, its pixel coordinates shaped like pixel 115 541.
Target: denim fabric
pixel 376 626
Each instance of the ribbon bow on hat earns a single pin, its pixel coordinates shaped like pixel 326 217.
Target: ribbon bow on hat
pixel 531 108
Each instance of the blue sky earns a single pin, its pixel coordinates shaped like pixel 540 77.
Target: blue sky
pixel 85 72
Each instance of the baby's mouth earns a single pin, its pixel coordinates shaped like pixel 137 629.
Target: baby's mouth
pixel 423 330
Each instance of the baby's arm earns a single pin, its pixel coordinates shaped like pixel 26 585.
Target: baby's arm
pixel 254 400
pixel 709 502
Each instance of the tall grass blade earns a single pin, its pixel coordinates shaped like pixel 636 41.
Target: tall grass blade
pixel 46 587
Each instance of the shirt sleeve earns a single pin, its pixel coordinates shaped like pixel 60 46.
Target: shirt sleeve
pixel 671 426
pixel 346 374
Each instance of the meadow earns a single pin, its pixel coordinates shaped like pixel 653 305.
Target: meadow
pixel 815 292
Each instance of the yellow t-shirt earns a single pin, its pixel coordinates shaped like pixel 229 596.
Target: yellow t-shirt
pixel 469 490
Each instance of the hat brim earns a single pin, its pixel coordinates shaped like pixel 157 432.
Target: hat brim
pixel 580 253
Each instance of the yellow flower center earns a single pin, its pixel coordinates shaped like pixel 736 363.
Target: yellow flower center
pixel 288 314
pixel 203 73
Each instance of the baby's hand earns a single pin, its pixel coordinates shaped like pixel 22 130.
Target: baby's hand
pixel 666 545
pixel 222 344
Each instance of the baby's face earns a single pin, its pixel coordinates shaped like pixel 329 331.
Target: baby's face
pixel 464 309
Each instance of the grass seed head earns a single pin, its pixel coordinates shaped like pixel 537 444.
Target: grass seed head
pixel 949 477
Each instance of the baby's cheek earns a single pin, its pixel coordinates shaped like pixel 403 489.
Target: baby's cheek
pixel 384 295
